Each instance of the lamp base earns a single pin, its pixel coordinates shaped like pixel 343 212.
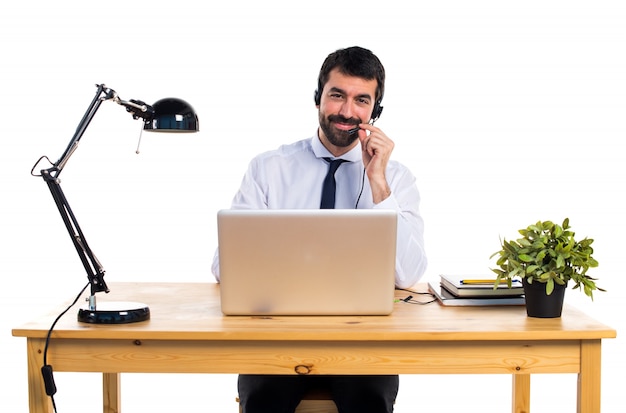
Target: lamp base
pixel 115 313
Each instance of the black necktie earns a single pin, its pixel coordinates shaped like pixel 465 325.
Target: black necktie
pixel 328 190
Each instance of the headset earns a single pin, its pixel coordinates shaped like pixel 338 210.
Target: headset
pixel 378 109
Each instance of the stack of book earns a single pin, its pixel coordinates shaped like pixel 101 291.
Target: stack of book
pixel 458 290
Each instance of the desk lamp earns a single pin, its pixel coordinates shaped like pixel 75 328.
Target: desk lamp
pixel 166 115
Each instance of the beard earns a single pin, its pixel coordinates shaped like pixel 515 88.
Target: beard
pixel 338 137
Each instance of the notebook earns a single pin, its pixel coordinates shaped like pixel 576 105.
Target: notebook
pixel 307 261
pixel 448 299
pixel 479 286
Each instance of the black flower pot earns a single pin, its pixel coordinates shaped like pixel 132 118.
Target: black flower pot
pixel 541 305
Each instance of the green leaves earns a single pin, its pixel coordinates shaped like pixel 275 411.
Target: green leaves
pixel 548 253
pixel 526 258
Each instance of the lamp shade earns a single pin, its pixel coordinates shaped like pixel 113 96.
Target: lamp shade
pixel 172 115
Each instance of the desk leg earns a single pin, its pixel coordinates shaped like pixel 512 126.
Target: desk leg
pixel 38 400
pixel 111 395
pixel 521 393
pixel 589 378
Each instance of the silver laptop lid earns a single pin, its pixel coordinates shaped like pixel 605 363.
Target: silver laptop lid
pixel 307 262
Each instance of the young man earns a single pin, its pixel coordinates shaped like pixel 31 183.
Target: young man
pixel 350 89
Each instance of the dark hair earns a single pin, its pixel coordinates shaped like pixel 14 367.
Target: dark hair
pixel 353 61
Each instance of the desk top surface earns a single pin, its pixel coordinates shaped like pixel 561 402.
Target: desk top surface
pixel 191 311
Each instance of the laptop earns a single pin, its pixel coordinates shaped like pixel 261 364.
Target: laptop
pixel 307 261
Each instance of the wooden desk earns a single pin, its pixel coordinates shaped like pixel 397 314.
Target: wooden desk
pixel 188 334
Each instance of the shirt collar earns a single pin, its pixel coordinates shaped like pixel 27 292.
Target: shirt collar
pixel 320 151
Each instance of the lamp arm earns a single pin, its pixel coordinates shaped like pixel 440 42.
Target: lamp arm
pixel 103 93
pixel 95 272
pixel 136 108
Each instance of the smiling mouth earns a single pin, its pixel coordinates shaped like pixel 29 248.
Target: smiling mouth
pixel 353 127
pixel 344 123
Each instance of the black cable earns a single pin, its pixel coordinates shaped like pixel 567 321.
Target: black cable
pixel 361 191
pixel 410 300
pixel 46 369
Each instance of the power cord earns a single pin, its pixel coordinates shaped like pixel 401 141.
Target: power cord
pixel 46 369
pixel 411 299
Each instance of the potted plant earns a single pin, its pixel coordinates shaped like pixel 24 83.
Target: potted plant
pixel 546 258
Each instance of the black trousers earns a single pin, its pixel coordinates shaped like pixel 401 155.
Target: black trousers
pixel 352 394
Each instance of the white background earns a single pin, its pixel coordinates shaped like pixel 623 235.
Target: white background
pixel 507 112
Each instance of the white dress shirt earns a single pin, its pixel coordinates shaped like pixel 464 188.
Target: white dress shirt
pixel 291 177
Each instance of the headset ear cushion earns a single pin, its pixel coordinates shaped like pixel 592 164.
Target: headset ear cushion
pixel 317 96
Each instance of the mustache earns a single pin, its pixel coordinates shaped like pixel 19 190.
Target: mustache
pixel 342 119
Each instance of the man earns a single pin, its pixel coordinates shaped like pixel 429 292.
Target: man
pixel 350 89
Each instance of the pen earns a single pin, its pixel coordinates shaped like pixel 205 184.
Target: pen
pixel 478 281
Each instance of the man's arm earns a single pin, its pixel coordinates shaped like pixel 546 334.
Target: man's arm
pixel 376 149
pixel 411 258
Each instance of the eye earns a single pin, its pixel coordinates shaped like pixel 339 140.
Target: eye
pixel 336 95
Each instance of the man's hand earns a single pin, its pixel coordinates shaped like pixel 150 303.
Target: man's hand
pixel 376 149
